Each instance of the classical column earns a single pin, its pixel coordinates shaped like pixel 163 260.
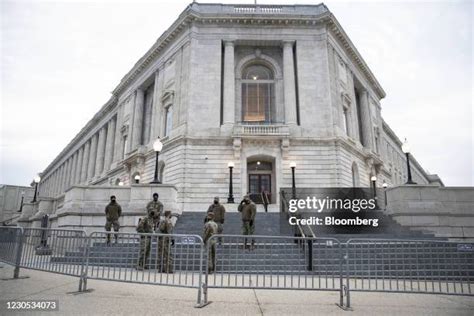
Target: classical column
pixel 109 144
pixel 61 180
pixel 69 172
pixel 73 169
pixel 80 154
pixel 66 175
pixel 366 121
pixel 155 110
pixel 137 119
pixel 118 138
pixel 99 165
pixel 85 162
pixel 92 157
pixel 229 83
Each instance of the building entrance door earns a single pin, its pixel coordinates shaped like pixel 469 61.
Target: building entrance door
pixel 260 185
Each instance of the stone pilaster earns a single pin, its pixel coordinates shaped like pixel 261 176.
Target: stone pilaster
pixel 85 162
pixel 99 164
pixel 289 83
pixel 92 157
pixel 229 83
pixel 109 144
pixel 366 120
pixel 137 119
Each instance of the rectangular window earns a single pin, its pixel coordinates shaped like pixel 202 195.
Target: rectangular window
pixel 124 146
pixel 168 120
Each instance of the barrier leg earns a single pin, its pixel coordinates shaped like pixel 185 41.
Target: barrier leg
pixel 19 250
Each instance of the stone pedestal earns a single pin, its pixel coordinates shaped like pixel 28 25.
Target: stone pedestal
pixel 84 206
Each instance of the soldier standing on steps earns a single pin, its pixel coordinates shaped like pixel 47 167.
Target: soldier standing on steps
pixel 145 225
pixel 156 206
pixel 164 244
pixel 219 215
pixel 113 211
pixel 210 229
pixel 248 210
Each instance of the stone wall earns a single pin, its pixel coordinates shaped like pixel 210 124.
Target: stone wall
pixel 445 211
pixel 84 206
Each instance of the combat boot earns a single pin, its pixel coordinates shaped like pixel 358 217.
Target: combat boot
pixel 252 246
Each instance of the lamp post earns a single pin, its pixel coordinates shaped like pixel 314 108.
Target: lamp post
pixel 157 147
pixel 373 179
pixel 36 179
pixel 385 185
pixel 21 202
pixel 137 179
pixel 293 182
pixel 230 199
pixel 406 150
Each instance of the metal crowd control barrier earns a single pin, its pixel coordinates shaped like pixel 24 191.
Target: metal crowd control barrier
pixel 273 262
pixel 247 262
pixel 409 266
pixel 11 247
pixel 162 259
pixel 45 249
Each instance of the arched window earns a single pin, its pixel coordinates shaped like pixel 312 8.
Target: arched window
pixel 258 94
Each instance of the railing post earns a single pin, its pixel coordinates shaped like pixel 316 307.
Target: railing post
pixel 310 255
pixel 84 265
pixel 19 250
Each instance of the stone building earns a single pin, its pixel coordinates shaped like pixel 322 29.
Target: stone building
pixel 258 85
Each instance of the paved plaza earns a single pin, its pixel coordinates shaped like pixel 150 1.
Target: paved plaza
pixel 132 299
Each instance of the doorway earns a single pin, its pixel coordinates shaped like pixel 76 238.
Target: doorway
pixel 260 183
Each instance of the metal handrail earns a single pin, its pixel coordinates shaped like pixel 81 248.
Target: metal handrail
pixel 10 219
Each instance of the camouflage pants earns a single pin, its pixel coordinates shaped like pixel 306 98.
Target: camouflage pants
pixel 248 227
pixel 108 227
pixel 165 257
pixel 144 251
pixel 211 257
pixel 114 223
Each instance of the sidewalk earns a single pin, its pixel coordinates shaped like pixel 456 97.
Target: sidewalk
pixel 132 299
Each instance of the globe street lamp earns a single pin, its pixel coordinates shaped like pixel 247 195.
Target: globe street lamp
pixel 36 180
pixel 157 147
pixel 137 179
pixel 230 199
pixel 293 182
pixel 384 186
pixel 406 150
pixel 120 183
pixel 373 179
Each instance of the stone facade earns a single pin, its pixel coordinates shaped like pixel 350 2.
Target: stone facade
pixel 12 201
pixel 446 212
pixel 319 106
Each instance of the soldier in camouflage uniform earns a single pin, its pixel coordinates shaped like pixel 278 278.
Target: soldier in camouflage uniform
pixel 113 211
pixel 219 214
pixel 164 244
pixel 145 225
pixel 210 229
pixel 248 210
pixel 157 206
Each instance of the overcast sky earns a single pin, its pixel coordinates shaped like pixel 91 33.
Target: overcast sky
pixel 60 60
